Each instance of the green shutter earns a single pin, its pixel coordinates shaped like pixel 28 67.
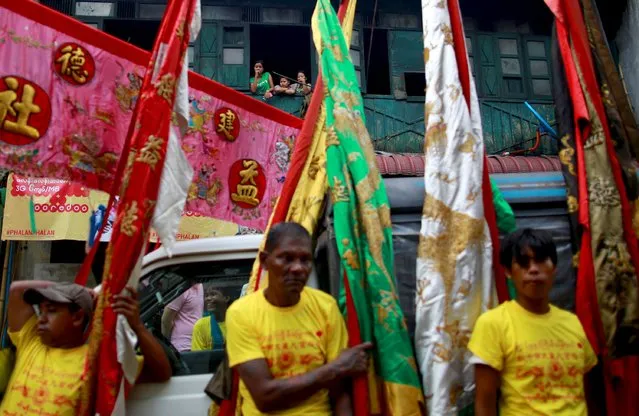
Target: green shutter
pixel 206 51
pixel 234 56
pixel 490 74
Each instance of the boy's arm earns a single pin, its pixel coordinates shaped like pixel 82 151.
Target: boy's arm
pixel 157 368
pixel 487 381
pixel 19 311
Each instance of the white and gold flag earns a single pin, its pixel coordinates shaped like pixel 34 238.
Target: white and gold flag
pixel 454 263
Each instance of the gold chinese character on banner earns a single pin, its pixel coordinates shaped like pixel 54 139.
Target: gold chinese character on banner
pixel 247 191
pixel 249 173
pixel 166 86
pixel 22 109
pixel 150 152
pixel 226 125
pixel 72 63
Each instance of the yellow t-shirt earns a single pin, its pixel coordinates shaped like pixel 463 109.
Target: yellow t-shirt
pixel 293 341
pixel 45 381
pixel 201 339
pixel 542 359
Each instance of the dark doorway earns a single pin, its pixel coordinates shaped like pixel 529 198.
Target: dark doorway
pixel 284 49
pixel 140 33
pixel 377 63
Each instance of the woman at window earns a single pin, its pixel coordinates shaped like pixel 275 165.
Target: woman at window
pixel 262 82
pixel 303 88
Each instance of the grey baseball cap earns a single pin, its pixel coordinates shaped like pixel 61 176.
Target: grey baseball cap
pixel 62 293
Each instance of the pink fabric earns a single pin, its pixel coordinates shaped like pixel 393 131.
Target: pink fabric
pixel 189 307
pixel 83 126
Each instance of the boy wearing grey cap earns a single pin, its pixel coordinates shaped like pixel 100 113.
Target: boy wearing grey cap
pixel 51 348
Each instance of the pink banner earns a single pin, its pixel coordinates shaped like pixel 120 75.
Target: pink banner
pixel 67 92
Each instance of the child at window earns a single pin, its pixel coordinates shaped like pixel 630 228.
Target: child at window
pixel 534 353
pixel 284 88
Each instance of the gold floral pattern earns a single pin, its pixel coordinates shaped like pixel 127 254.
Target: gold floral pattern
pixel 566 155
pixel 128 226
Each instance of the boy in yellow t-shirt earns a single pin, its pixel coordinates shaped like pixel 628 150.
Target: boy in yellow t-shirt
pixel 288 342
pixel 535 354
pixel 51 351
pixel 209 332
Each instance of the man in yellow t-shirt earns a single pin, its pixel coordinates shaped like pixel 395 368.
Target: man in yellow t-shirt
pixel 288 342
pixel 203 331
pixel 51 348
pixel 531 351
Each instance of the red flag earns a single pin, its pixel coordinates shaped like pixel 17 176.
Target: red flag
pixel 489 208
pixel 148 138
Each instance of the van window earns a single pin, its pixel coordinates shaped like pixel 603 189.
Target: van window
pixel 160 287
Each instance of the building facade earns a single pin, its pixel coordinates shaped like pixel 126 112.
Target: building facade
pixel 508 42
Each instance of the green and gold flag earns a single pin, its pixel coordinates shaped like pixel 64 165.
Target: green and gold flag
pixel 363 233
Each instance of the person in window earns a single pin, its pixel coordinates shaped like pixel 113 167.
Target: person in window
pixel 284 88
pixel 261 82
pixel 180 316
pixel 302 87
pixel 210 331
pixel 535 354
pixel 51 347
pixel 288 342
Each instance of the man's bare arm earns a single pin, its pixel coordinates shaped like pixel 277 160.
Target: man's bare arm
pixel 487 381
pixel 19 311
pixel 168 320
pixel 271 394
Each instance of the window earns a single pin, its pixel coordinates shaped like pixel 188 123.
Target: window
pixel 285 50
pixel 222 13
pixel 415 84
pixel 378 71
pixel 190 53
pixel 539 67
pixel 85 8
pixel 152 11
pixel 140 33
pixel 161 287
pixel 511 67
pixel 233 42
pixel 357 55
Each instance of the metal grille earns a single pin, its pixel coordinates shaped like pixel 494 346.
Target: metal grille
pixel 251 14
pixel 126 9
pixel 63 6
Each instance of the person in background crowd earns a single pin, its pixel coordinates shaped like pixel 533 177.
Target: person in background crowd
pixel 288 342
pixel 284 88
pixel 535 354
pixel 210 331
pixel 262 82
pixel 180 316
pixel 52 350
